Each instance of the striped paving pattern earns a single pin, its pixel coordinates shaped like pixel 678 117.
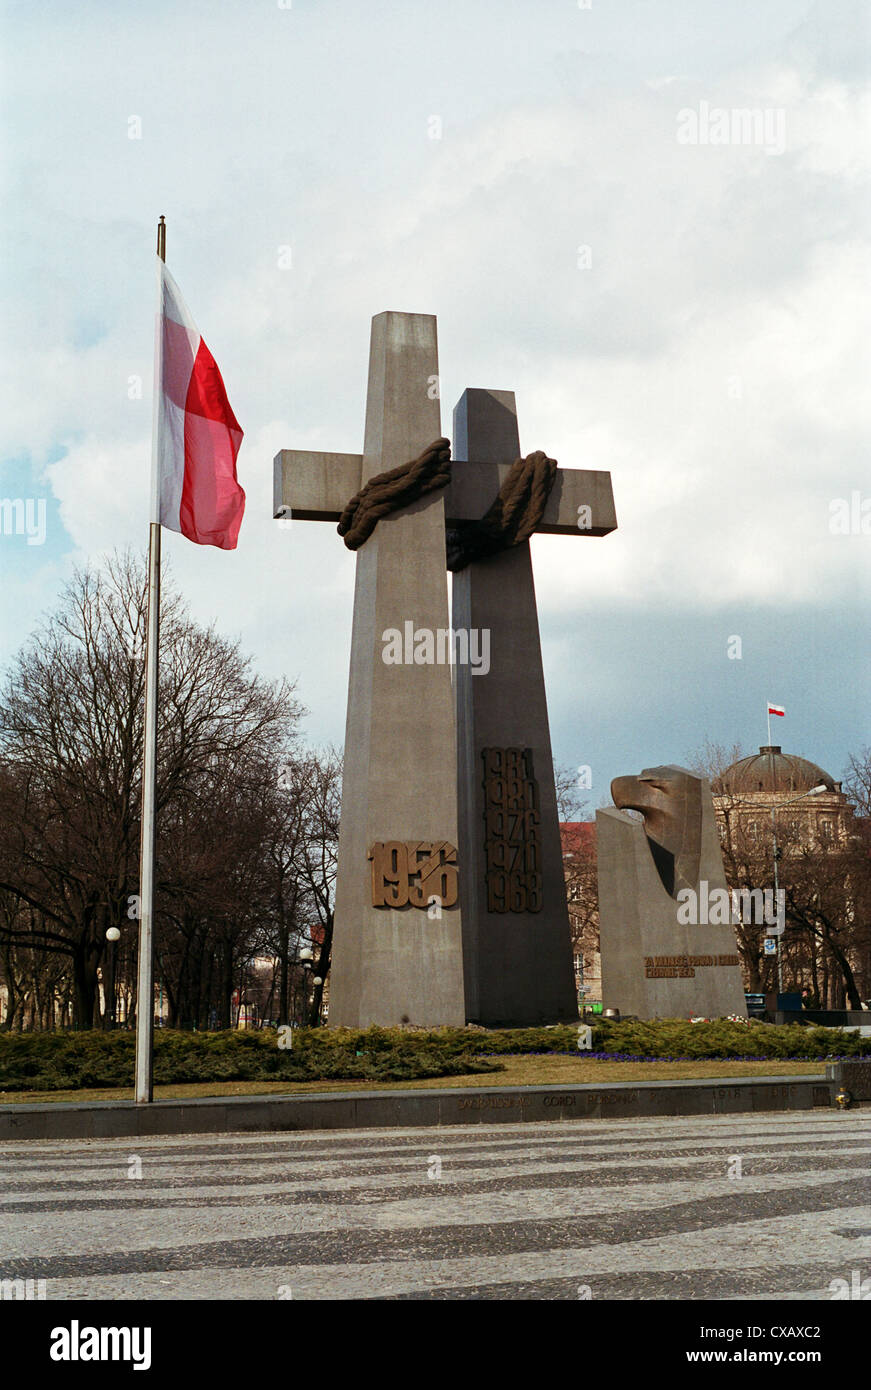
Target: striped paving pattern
pixel 618 1209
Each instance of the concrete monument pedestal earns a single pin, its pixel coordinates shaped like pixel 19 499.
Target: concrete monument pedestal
pixel 661 958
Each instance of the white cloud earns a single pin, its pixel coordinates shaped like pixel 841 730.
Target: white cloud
pixel 712 357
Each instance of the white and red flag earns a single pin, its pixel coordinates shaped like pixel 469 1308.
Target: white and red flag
pixel 776 709
pixel 197 436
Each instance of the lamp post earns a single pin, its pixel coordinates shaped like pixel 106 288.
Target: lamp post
pixel 306 960
pixel 112 935
pixel 814 791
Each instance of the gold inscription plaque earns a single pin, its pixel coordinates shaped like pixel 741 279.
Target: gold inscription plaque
pixel 512 842
pixel 411 873
pixel 681 967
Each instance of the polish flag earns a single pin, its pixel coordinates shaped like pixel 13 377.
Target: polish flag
pixel 776 709
pixel 197 436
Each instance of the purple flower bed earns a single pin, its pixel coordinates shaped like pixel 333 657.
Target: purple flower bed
pixel 633 1057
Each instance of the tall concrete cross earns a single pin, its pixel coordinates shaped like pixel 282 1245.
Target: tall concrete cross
pixel 516 937
pixel 396 955
pixel 400 948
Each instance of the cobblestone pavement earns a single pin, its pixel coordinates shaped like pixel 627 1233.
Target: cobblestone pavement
pixel 644 1209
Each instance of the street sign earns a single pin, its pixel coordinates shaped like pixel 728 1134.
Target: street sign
pixel 769 946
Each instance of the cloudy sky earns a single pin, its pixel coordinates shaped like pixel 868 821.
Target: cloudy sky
pixel 691 316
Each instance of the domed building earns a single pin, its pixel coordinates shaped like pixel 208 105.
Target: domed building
pixel 816 813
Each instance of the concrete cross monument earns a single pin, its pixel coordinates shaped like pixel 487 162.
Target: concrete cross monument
pixel 396 955
pixel 516 933
pixel 419 898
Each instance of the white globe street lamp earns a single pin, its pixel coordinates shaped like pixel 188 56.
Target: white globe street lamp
pixel 112 935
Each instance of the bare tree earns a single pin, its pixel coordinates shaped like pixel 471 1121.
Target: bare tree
pixel 826 938
pixel 321 793
pixel 71 754
pixel 856 783
pixel 579 868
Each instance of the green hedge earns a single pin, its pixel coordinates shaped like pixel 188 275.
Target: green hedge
pixel 677 1038
pixel 69 1061
pixel 72 1061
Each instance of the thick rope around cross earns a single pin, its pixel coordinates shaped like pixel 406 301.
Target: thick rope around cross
pixel 387 492
pixel 512 518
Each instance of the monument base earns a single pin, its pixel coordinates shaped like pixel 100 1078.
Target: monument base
pixel 663 954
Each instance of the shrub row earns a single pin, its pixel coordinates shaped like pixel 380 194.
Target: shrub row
pixel 75 1061
pixel 70 1061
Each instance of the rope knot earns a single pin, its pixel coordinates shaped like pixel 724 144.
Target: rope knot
pixel 513 516
pixel 388 492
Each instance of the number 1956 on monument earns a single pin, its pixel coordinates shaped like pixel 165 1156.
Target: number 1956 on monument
pixel 413 873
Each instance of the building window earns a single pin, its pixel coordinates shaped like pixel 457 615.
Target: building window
pixel 753 829
pixel 827 831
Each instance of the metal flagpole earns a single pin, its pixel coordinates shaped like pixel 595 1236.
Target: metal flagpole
pixel 776 901
pixel 145 977
pixel 770 754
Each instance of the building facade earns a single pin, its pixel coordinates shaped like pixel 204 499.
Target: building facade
pixel 747 792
